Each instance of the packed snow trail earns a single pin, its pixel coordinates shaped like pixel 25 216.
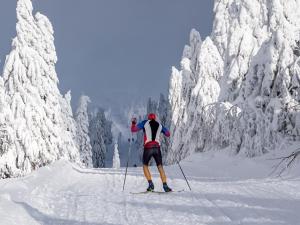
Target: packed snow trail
pixel 65 194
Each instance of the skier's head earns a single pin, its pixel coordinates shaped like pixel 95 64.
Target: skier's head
pixel 151 116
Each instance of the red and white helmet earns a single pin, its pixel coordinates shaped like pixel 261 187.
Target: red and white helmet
pixel 151 116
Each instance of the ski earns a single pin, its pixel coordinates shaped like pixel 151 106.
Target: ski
pixel 155 192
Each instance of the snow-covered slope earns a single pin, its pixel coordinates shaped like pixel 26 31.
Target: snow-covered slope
pixel 239 88
pixel 226 190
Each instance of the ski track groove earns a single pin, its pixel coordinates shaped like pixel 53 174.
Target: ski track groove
pixel 211 212
pixel 270 192
pixel 95 197
pixel 222 211
pixel 126 218
pixel 250 193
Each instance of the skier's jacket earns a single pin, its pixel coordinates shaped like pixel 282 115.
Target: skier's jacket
pixel 152 130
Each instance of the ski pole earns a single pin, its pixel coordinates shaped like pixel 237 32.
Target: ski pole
pixel 184 176
pixel 128 156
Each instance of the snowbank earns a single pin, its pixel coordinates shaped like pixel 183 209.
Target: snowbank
pixel 226 190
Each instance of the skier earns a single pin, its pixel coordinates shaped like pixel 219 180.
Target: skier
pixel 152 130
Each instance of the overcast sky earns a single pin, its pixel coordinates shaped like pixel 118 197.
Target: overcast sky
pixel 115 51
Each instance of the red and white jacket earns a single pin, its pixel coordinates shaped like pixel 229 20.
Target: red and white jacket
pixel 152 130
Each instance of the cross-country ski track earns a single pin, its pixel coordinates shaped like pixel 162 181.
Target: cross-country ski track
pixel 65 194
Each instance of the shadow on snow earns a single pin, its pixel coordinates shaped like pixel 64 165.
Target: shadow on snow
pixel 45 219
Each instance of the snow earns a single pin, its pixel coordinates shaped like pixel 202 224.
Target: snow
pixel 100 133
pixel 226 190
pixel 239 88
pixel 83 139
pixel 116 158
pixel 35 113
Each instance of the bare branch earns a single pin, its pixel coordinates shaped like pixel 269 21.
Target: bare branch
pixel 286 161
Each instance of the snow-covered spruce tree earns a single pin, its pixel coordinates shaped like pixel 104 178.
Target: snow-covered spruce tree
pixel 181 85
pixel 201 88
pixel 116 157
pixel 69 124
pixel 138 146
pixel 101 136
pixel 30 82
pixel 260 76
pixel 120 139
pixel 163 110
pixel 7 138
pixel 83 139
pixel 138 111
pixel 108 135
pixel 253 102
pixel 151 106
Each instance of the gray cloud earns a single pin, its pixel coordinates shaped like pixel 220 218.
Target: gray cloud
pixel 115 51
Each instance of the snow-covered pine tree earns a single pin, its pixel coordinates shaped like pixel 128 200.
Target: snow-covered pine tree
pixel 151 106
pixel 7 138
pixel 101 136
pixel 83 139
pixel 163 110
pixel 139 111
pixel 108 135
pixel 252 74
pixel 116 157
pixel 69 124
pixel 181 85
pixel 120 139
pixel 259 77
pixel 139 142
pixel 203 89
pixel 30 82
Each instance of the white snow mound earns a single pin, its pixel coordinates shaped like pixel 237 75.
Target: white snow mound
pixel 225 190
